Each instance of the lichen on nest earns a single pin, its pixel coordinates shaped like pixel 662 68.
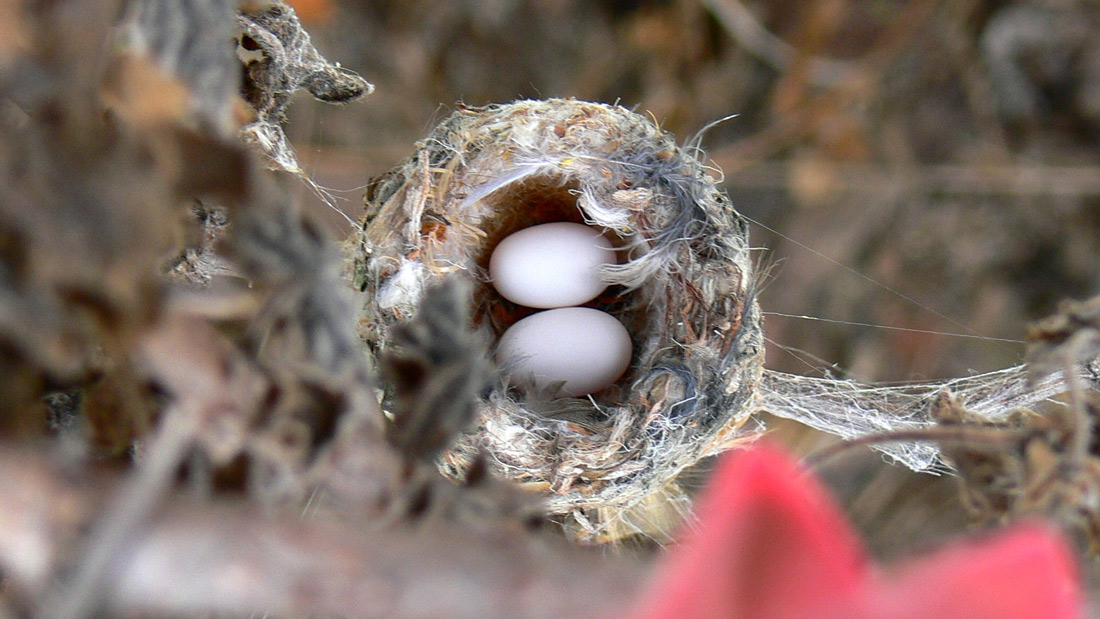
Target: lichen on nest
pixel 685 290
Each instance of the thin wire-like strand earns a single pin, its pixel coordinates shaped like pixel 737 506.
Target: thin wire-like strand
pixel 892 328
pixel 866 278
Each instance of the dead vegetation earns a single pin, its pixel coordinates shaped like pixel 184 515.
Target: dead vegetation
pixel 190 424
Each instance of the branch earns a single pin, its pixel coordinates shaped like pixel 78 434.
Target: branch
pixel 773 51
pixel 198 559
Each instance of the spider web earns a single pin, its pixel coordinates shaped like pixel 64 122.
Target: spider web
pixel 850 409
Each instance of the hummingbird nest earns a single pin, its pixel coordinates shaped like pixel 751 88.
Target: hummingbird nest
pixel 684 288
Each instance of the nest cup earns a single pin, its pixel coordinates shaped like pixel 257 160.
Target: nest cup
pixel 684 289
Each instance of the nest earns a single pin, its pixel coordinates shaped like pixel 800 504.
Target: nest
pixel 684 289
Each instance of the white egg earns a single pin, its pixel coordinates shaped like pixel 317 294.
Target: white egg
pixel 551 265
pixel 586 348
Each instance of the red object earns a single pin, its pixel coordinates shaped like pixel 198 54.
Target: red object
pixel 771 544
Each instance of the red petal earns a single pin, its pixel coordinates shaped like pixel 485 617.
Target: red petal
pixel 1024 573
pixel 769 543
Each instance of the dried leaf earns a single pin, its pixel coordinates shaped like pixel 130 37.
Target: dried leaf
pixel 437 370
pixel 279 59
pixel 1071 335
pixel 189 40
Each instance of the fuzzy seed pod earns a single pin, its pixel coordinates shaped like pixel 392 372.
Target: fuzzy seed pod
pixel 684 289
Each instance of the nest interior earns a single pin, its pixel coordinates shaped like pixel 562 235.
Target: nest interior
pixel 684 289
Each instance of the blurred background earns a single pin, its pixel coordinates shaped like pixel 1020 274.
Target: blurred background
pixel 922 176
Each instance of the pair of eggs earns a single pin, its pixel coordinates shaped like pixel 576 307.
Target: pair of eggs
pixel 553 267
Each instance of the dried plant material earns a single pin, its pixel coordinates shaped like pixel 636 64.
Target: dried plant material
pixel 302 338
pixel 188 39
pixel 279 59
pixel 302 335
pixel 213 394
pixel 87 216
pixel 253 396
pixel 685 292
pixel 743 26
pixel 1072 334
pixel 270 401
pixel 1034 472
pixel 118 409
pixel 658 518
pixel 1043 465
pixel 437 371
pixel 486 173
pixel 1027 47
pixel 202 373
pixel 199 262
pixel 90 212
pixel 989 475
